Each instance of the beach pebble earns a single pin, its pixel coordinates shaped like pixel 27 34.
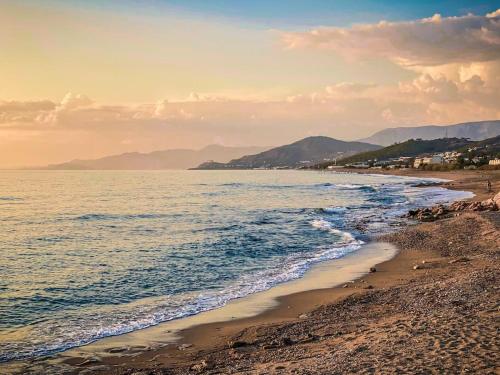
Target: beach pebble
pixel 417 267
pixel 184 346
pixel 117 350
pixel 200 366
pixel 373 269
pixel 496 199
pixel 459 260
pixel 302 316
pixel 89 361
pixel 238 344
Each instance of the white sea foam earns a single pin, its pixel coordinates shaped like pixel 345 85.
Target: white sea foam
pixel 334 210
pixel 345 237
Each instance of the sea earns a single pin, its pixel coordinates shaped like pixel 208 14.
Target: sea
pixel 91 254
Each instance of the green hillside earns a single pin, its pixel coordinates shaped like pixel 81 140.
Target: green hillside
pixel 412 147
pixel 490 146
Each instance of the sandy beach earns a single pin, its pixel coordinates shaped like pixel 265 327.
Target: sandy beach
pixel 433 308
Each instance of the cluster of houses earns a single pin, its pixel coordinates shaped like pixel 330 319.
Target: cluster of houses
pixel 451 157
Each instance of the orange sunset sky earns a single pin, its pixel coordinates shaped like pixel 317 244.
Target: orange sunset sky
pixel 87 79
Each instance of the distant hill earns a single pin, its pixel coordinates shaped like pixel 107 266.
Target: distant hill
pixel 166 159
pixel 489 146
pixel 308 151
pixel 475 131
pixel 413 147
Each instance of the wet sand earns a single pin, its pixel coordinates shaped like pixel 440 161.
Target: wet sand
pixel 440 317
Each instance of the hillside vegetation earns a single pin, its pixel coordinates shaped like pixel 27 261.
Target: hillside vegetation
pixel 410 148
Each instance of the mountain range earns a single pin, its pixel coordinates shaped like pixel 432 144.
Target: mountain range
pixel 303 153
pixel 474 131
pixel 166 159
pixel 306 152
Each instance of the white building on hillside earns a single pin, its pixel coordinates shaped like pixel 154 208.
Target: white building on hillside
pixel 434 159
pixel 494 162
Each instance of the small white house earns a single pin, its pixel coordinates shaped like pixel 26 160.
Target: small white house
pixel 494 162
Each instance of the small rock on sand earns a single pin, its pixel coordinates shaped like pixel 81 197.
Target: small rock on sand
pixel 373 269
pixel 417 267
pixel 238 344
pixel 90 361
pixel 459 260
pixel 117 350
pixel 496 199
pixel 184 346
pixel 200 366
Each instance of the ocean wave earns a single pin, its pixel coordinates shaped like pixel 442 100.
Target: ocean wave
pixel 345 237
pixel 233 184
pixel 334 210
pixel 367 188
pixel 98 217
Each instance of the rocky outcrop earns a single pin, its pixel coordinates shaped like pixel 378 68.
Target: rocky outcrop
pixel 441 211
pixel 496 199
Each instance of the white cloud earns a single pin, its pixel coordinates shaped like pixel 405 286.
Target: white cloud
pixel 426 42
pixel 70 102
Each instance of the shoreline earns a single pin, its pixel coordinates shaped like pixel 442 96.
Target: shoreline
pixel 466 180
pixel 203 339
pixel 319 277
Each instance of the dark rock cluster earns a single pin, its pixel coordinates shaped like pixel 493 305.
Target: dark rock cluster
pixel 441 211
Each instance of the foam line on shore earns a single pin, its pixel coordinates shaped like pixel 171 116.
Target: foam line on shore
pixel 323 275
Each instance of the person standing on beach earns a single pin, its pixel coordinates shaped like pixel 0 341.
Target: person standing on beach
pixel 488 184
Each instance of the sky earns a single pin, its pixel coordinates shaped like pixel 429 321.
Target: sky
pixel 84 79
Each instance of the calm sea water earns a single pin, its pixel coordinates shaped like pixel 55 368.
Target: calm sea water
pixel 89 254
